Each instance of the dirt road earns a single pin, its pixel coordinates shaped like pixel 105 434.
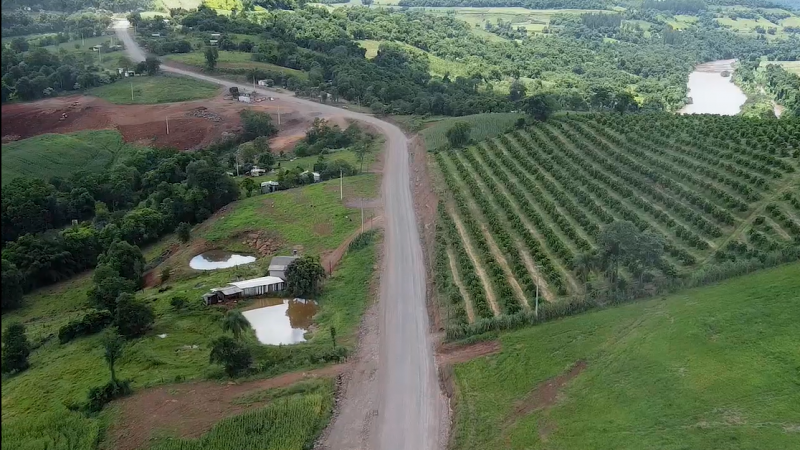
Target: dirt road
pixel 408 408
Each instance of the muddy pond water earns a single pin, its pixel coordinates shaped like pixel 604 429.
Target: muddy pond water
pixel 219 259
pixel 281 321
pixel 712 93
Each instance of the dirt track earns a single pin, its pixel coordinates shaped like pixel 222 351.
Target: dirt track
pixel 410 411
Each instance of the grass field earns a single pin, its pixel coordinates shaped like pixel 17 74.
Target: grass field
pixel 483 126
pixel 525 206
pixel 232 60
pixel 709 368
pixel 47 155
pixel 157 89
pixel 311 217
pixel 791 66
pixel 33 403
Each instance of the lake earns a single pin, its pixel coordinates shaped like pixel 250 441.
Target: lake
pixel 711 93
pixel 281 321
pixel 219 259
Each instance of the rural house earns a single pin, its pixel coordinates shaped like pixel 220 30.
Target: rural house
pixel 278 265
pixel 246 288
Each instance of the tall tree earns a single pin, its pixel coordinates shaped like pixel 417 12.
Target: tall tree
pixel 304 276
pixel 249 186
pixel 212 55
pixel 112 351
pixel 15 348
pixel 133 317
pixel 458 134
pixel 12 286
pixel 540 106
pixel 230 354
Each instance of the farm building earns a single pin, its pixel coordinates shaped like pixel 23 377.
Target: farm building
pixel 269 186
pixel 314 174
pixel 246 288
pixel 255 172
pixel 245 98
pixel 278 265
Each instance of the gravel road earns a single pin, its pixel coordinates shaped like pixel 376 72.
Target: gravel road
pixel 402 408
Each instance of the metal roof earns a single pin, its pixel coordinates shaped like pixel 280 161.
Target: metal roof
pixel 281 262
pixel 263 281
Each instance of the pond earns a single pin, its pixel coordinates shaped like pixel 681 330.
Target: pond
pixel 219 259
pixel 281 321
pixel 713 93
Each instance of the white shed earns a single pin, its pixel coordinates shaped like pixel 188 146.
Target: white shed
pixel 260 286
pixel 245 98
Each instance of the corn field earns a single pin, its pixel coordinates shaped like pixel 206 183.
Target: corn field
pixel 288 423
pixel 721 194
pixel 483 126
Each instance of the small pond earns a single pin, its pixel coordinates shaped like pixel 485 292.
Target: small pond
pixel 219 259
pixel 713 93
pixel 281 321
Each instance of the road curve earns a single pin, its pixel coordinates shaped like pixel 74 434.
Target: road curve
pixel 410 403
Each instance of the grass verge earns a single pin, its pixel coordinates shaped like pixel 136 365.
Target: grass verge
pixel 157 89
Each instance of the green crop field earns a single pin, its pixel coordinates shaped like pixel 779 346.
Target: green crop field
pixel 35 402
pixel 791 66
pixel 528 207
pixel 709 368
pixel 233 61
pixel 288 422
pixel 483 126
pixel 157 89
pixel 48 155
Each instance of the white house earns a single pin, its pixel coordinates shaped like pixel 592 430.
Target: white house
pixel 278 265
pixel 313 174
pixel 260 286
pixel 269 186
pixel 256 172
pixel 213 41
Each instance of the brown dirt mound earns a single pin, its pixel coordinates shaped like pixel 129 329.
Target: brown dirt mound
pixel 454 354
pixel 264 242
pixel 190 409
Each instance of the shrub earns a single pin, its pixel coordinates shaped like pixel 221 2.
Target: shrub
pixel 92 322
pixel 15 348
pixel 133 316
pixel 178 302
pixel 100 396
pixel 362 240
pixel 232 355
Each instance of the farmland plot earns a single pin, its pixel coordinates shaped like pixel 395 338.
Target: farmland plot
pixel 532 206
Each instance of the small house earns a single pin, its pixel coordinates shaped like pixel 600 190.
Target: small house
pixel 245 98
pixel 213 41
pixel 262 83
pixel 269 186
pixel 256 172
pixel 314 175
pixel 215 35
pixel 219 295
pixel 260 286
pixel 278 265
pixel 156 35
pixel 130 73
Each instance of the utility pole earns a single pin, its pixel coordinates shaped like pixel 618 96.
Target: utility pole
pixel 341 185
pixel 362 215
pixel 131 90
pixel 167 119
pixel 536 311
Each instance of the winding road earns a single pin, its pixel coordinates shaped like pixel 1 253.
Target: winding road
pixel 408 405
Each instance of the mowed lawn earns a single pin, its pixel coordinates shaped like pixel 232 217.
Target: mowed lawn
pixel 157 89
pixel 710 368
pixel 48 155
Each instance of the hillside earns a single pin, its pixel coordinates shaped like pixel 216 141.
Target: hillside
pixel 527 213
pixel 50 155
pixel 693 370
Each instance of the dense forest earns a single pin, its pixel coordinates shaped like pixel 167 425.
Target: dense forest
pixel 530 4
pixel 77 5
pixel 136 201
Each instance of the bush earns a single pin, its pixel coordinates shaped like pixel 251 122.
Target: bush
pixel 458 135
pixel 232 355
pixel 362 240
pixel 92 322
pixel 15 348
pixel 98 397
pixel 178 303
pixel 133 316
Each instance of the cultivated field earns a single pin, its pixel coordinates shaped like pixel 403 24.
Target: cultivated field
pixel 710 368
pixel 524 210
pixel 47 155
pixel 232 61
pixel 483 126
pixel 158 89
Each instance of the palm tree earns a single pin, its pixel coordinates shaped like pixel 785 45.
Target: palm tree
pixel 235 322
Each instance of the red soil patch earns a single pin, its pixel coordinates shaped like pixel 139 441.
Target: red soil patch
pixel 455 354
pixel 544 395
pixel 188 410
pixel 147 124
